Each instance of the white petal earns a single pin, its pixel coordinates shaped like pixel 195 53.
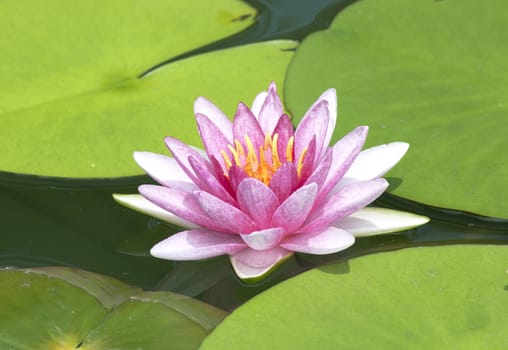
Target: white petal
pixel 251 265
pixel 374 162
pixel 330 96
pixel 163 169
pixel 330 240
pixel 264 239
pixel 197 244
pixel 375 221
pixel 141 204
pixel 258 103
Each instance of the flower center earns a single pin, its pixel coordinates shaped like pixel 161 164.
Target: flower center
pixel 264 162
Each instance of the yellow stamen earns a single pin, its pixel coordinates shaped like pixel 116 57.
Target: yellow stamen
pixel 252 160
pixel 234 152
pixel 227 160
pixel 241 152
pixel 264 175
pixel 276 163
pixel 263 163
pixel 268 141
pixel 300 162
pixel 289 149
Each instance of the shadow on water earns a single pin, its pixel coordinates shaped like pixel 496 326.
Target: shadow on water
pixel 276 19
pixel 76 223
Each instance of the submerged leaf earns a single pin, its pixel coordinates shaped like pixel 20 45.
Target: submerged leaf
pixel 62 308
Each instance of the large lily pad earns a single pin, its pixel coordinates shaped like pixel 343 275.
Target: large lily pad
pixel 71 102
pixel 59 308
pixel 62 49
pixel 451 297
pixel 431 73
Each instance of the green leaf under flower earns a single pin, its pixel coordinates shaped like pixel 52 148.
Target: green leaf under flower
pixel 431 73
pixel 451 297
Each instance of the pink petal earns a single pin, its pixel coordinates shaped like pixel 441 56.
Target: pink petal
pixel 165 170
pixel 257 200
pixel 271 111
pixel 272 86
pixel 213 139
pixel 330 240
pixel 227 215
pixel 320 172
pixel 346 201
pixel 182 204
pixel 284 130
pixel 207 180
pixel 344 153
pixel 313 124
pixel 197 244
pixel 374 162
pixel 205 107
pixel 251 264
pixel 308 162
pixel 284 181
pixel 264 239
pixel 236 175
pixel 246 124
pixel 294 210
pixel 181 153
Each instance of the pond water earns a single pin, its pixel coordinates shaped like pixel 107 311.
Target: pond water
pixel 68 222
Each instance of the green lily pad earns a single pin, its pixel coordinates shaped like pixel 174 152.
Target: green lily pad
pixel 450 297
pixel 61 49
pixel 71 102
pixel 60 308
pixel 431 73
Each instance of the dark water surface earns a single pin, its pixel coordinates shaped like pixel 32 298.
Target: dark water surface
pixel 51 221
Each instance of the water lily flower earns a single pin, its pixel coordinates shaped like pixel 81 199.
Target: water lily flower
pixel 263 190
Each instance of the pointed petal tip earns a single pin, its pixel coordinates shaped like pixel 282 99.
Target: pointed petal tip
pixel 140 156
pixel 196 245
pixel 375 221
pixel 402 147
pixel 121 198
pixel 169 141
pixel 198 102
pixel 144 189
pixel 374 162
pixel 136 154
pixel 140 204
pixel 362 129
pixel 328 241
pixel 382 182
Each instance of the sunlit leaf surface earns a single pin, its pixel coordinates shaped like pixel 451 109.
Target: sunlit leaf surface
pixel 452 297
pixel 71 102
pixel 431 73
